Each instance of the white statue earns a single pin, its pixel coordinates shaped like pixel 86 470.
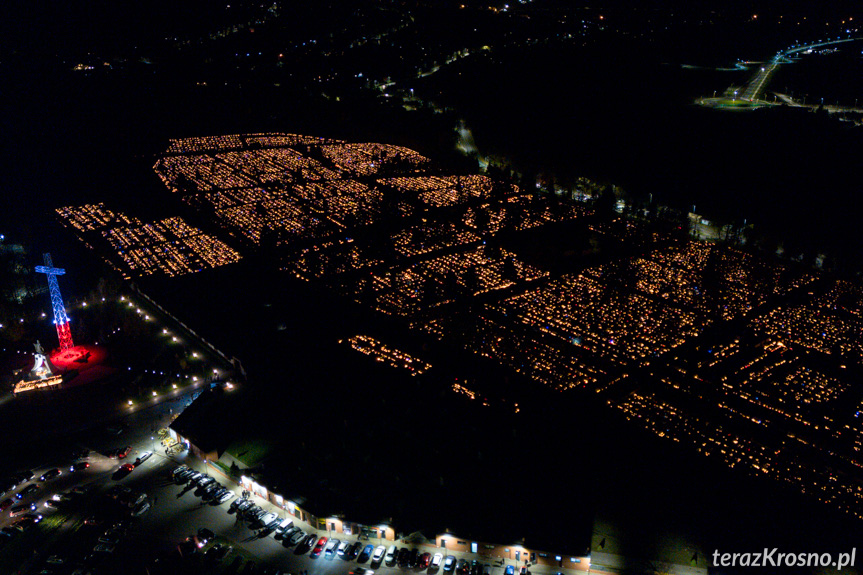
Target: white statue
pixel 41 367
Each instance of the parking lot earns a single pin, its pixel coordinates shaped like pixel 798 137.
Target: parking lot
pixel 92 529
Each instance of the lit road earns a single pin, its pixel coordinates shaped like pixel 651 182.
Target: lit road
pixel 754 89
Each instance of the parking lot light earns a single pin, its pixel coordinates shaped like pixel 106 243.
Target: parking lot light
pixel 154 393
pixel 130 403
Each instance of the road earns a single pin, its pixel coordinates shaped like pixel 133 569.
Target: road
pixel 754 89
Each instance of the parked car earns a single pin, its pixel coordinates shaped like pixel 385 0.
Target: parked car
pixel 79 466
pixel 81 490
pixel 118 528
pixel 143 457
pixel 127 467
pixel 330 549
pixel 224 496
pixel 210 554
pixel 436 560
pixel 402 558
pixel 413 557
pixel 210 491
pixel 82 453
pixel 94 520
pixel 6 504
pixel 187 547
pixel 267 519
pixel 362 571
pixel 319 546
pixel 366 553
pixel 183 476
pixel 132 498
pixel 380 551
pixel 307 543
pixel 510 570
pixel 353 551
pixel 424 561
pixel 283 526
pixel 22 477
pixel 203 536
pixel 140 509
pixel 462 567
pixel 343 547
pixel 392 552
pixel 27 520
pixel 204 480
pixel 223 552
pixel 120 452
pixel 29 490
pixel 118 491
pixel 296 537
pixel 21 508
pixel 55 560
pixel 50 474
pixel 449 563
pixel 109 538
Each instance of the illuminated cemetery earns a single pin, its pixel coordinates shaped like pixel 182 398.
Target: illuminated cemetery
pixel 443 254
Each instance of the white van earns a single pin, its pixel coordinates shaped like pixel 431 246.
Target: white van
pixel 391 554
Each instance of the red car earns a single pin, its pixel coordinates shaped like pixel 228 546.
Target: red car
pixel 424 560
pixel 6 504
pixel 319 547
pixel 127 467
pixel 119 453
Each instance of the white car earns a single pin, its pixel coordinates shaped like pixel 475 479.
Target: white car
pixel 103 548
pixel 330 549
pixel 435 562
pixel 225 496
pixel 266 519
pixel 391 554
pixel 342 546
pixel 143 457
pixel 379 554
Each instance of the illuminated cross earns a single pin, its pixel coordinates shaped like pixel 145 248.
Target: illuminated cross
pixel 61 320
